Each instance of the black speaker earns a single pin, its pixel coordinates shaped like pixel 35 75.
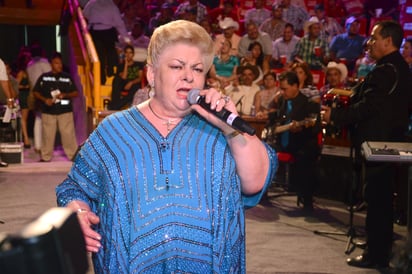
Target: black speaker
pixel 52 244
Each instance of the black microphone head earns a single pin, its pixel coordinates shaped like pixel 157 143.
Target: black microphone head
pixel 193 96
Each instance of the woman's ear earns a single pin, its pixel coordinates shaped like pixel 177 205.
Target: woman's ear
pixel 150 75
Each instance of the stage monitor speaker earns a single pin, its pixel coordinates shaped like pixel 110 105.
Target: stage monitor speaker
pixel 52 244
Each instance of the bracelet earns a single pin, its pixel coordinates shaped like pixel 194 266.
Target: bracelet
pixel 232 135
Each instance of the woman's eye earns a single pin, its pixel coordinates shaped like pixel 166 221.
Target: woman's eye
pixel 198 70
pixel 176 67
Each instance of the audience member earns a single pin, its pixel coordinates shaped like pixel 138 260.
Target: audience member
pixel 347 47
pixel 127 80
pixel 329 26
pixel 274 25
pixel 312 48
pixel 295 15
pixel 378 112
pixel 258 14
pixel 191 6
pixel 335 9
pixel 139 41
pixel 284 47
pixel 336 76
pixel 22 78
pixel 266 99
pixel 387 9
pixel 364 64
pixel 218 14
pixel 229 28
pixel 254 35
pixel 36 67
pixel 224 67
pixel 304 74
pixel 55 90
pixel 407 52
pixel 255 57
pixel 306 85
pixel 105 23
pixel 354 7
pixel 301 140
pixel 243 94
pixel 160 18
pixel 129 17
pixel 154 199
pixel 205 23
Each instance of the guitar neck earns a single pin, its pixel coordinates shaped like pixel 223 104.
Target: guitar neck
pixel 283 128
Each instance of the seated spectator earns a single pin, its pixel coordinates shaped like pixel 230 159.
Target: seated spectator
pixel 223 70
pixel 254 35
pixel 306 85
pixel 255 57
pixel 375 9
pixel 218 14
pixel 191 7
pixel 295 15
pixel 329 26
pixel 304 74
pixel 336 76
pixel 284 47
pixel 364 64
pixel 347 47
pixel 243 94
pixel 274 25
pixel 229 28
pixel 127 80
pixel 335 9
pixel 258 14
pixel 205 23
pixel 312 48
pixel 139 41
pixel 160 18
pixel 266 99
pixel 407 52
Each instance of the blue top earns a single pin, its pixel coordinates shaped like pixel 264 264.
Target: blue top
pixel 166 204
pixel 347 47
pixel 225 69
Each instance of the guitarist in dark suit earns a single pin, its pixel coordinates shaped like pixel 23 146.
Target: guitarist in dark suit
pixel 301 139
pixel 378 112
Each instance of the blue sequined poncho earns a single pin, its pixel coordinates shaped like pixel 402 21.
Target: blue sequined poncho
pixel 166 205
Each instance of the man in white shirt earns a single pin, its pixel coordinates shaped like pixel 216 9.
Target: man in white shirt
pixel 243 94
pixel 283 47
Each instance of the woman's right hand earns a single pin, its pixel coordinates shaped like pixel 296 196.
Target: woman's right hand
pixel 87 219
pixel 91 237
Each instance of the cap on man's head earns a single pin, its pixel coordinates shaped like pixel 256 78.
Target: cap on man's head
pixel 350 20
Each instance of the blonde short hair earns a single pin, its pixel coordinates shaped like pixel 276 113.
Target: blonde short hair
pixel 180 31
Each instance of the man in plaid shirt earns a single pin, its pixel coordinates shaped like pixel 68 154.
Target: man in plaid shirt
pixel 312 48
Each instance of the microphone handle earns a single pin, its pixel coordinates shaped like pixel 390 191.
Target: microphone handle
pixel 232 119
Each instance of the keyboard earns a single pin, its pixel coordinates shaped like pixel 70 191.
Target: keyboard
pixel 387 151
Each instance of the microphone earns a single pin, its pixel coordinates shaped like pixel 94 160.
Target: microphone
pixel 230 118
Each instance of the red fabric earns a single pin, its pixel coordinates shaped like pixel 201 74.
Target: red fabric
pixel 285 157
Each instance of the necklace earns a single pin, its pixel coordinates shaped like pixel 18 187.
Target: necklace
pixel 167 122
